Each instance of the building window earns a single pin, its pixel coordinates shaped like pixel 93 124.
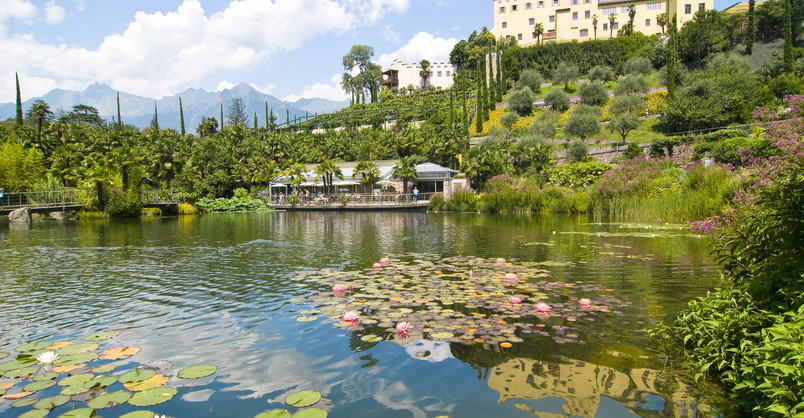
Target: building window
pixel 653 6
pixel 647 22
pixel 533 35
pixel 574 1
pixel 701 6
pixel 586 1
pixel 448 74
pixel 587 14
pixel 615 25
pixel 531 21
pixel 527 5
pixel 519 37
pixel 505 25
pixel 541 4
pixel 687 9
pixel 552 19
pixel 502 9
pixel 555 2
pixel 584 33
pixel 624 9
pixel 605 26
pixel 439 74
pixel 609 10
pixel 507 37
pixel 574 15
pixel 513 8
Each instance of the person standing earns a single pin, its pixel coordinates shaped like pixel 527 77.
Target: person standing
pixel 2 192
pixel 415 194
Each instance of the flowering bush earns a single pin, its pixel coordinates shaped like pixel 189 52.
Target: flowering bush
pixel 632 178
pixel 657 102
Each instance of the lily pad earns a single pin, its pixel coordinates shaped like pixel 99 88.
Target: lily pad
pixel 370 338
pixel 136 375
pixel 3 355
pixel 118 353
pixel 76 380
pixel 109 399
pixel 59 345
pixel 46 376
pixel 303 398
pixel 102 336
pixel 75 359
pixel 275 413
pixel 153 396
pixel 16 374
pixel 100 381
pixel 197 372
pixel 311 413
pixel 78 349
pixel 33 347
pixel 442 335
pixel 35 413
pixel 139 414
pixel 104 369
pixel 44 384
pixel 79 413
pixel 306 318
pixel 24 402
pixel 51 402
pixel 17 364
pixel 150 383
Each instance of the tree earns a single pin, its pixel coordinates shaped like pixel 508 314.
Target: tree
pixel 612 21
pixel 632 84
pixel 577 151
pixel 155 120
pixel 788 38
pixel 521 101
pixel 83 113
pixel 705 34
pixel 594 24
pixel 425 74
pixel 328 171
pixel 624 123
pixel 661 20
pixel 19 100
pixel 119 118
pixel 602 73
pixel 593 93
pixel 557 99
pixel 629 103
pixel 543 128
pixel 296 173
pixel 631 14
pixel 369 77
pixel 405 170
pixel 566 73
pixel 672 59
pixel 181 116
pixel 638 66
pixel 369 174
pixel 583 121
pixel 236 112
pixel 207 127
pixel 458 55
pixel 40 112
pixel 508 120
pixel 530 78
pixel 538 31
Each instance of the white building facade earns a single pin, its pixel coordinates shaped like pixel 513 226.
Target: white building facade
pixel 401 75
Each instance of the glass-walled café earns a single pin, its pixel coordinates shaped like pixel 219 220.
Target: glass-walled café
pixel 431 178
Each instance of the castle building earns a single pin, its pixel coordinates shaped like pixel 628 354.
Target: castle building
pixel 568 20
pixel 401 75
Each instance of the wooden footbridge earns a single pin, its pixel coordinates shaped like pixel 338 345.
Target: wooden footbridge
pixel 70 200
pixel 355 202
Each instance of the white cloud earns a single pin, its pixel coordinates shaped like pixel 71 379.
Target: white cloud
pixel 79 4
pixel 53 13
pixel 422 46
pixel 331 91
pixel 161 52
pixel 224 85
pixel 267 89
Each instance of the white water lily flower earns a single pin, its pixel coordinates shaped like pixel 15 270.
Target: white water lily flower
pixel 47 357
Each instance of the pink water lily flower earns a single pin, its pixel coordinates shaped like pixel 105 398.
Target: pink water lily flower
pixel 542 307
pixel 350 287
pixel 585 303
pixel 385 261
pixel 377 266
pixel 350 316
pixel 510 279
pixel 515 300
pixel 471 273
pixel 402 328
pixel 500 261
pixel 339 290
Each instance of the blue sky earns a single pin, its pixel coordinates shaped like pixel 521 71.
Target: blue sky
pixel 288 48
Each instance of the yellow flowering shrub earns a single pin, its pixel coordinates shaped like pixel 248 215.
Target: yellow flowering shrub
pixel 606 114
pixel 657 101
pixel 523 124
pixel 494 120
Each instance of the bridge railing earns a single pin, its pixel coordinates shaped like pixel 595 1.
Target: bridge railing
pixel 159 197
pixel 355 199
pixel 45 199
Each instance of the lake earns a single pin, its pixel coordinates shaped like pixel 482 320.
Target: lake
pixel 252 294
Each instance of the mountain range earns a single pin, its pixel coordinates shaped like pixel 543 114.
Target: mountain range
pixel 196 103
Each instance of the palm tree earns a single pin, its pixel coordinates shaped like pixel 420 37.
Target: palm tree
pixel 661 20
pixel 39 111
pixel 296 173
pixel 631 14
pixel 369 173
pixel 328 170
pixel 425 73
pixel 405 170
pixel 594 24
pixel 538 30
pixel 612 21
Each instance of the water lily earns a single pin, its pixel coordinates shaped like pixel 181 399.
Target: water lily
pixel 542 307
pixel 385 261
pixel 339 290
pixel 510 279
pixel 500 261
pixel 350 287
pixel 515 300
pixel 402 328
pixel 377 266
pixel 585 303
pixel 471 273
pixel 47 357
pixel 350 316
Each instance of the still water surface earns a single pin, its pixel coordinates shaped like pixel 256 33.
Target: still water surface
pixel 217 289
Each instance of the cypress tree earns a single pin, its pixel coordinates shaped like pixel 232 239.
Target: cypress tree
pixel 267 120
pixel 500 87
pixel 750 32
pixel 119 119
pixel 19 101
pixel 181 116
pixel 156 117
pixel 221 117
pixel 272 120
pixel 465 115
pixel 255 120
pixel 492 88
pixel 451 109
pixel 479 105
pixel 788 38
pixel 287 117
pixel 672 58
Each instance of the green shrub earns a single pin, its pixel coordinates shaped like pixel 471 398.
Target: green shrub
pixel 581 174
pixel 723 134
pixel 151 212
pixel 521 101
pixel 632 151
pixel 531 79
pixel 583 122
pixel 240 193
pixel 601 73
pixel 632 84
pixel 577 151
pixel 543 128
pixel 593 93
pixel 508 119
pixel 437 203
pixel 187 209
pixel 122 205
pixel 557 99
pixel 638 66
